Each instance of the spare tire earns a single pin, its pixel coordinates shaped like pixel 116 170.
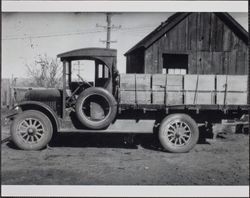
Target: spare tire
pixel 96 108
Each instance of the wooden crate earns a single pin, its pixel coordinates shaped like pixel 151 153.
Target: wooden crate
pixel 127 97
pixel 174 90
pixel 236 89
pixel 127 81
pixel 158 88
pixel 232 98
pixel 199 89
pixel 159 82
pixel 234 82
pixel 200 98
pixel 158 97
pixel 143 88
pixel 143 82
pixel 172 84
pixel 174 98
pixel 143 97
pixel 199 82
pixel 135 88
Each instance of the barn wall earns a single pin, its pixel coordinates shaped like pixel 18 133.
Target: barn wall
pixel 212 47
pixel 135 62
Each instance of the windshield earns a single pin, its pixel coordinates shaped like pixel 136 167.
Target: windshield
pixel 84 68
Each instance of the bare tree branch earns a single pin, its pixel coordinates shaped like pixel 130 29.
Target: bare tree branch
pixel 45 72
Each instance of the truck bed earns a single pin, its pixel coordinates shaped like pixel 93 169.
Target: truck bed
pixel 183 91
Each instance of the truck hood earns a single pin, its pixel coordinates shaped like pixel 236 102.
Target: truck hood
pixel 43 95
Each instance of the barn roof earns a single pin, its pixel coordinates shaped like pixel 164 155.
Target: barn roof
pixel 174 19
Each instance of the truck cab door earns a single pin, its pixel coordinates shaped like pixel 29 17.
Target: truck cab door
pixel 102 75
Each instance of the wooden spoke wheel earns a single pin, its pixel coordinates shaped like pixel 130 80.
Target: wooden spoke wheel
pixel 31 130
pixel 178 133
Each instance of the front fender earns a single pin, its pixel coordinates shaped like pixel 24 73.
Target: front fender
pixel 35 105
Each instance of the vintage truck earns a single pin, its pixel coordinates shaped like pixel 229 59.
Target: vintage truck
pixel 171 106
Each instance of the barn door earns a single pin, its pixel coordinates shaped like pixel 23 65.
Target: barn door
pixel 175 64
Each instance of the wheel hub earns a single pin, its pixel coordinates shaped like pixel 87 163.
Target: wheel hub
pixel 31 131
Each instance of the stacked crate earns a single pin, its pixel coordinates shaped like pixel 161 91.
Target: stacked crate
pixel 199 89
pixel 171 89
pixel 231 89
pixel 135 88
pixel 167 89
pixel 127 88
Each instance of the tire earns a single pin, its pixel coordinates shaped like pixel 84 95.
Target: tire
pixel 102 96
pixel 178 133
pixel 31 130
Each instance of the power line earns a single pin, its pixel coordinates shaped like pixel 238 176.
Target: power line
pixel 75 33
pixel 52 35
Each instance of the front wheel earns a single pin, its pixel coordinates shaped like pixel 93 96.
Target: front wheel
pixel 178 133
pixel 31 130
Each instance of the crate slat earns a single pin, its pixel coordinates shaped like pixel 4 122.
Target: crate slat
pixel 143 97
pixel 127 81
pixel 143 82
pixel 232 98
pixel 201 98
pixel 234 82
pixel 158 82
pixel 205 82
pixel 127 97
pixel 174 82
pixel 174 98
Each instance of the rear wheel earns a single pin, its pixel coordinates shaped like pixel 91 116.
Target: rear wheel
pixel 31 130
pixel 178 133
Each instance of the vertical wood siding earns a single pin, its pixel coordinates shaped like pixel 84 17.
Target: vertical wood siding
pixel 135 62
pixel 211 46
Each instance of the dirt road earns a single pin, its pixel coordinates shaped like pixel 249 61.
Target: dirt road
pixel 97 159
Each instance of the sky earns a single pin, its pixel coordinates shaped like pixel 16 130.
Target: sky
pixel 25 36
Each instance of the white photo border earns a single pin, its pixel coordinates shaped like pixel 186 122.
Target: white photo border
pixel 124 191
pixel 124 6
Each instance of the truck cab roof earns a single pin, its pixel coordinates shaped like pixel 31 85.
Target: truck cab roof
pixel 87 53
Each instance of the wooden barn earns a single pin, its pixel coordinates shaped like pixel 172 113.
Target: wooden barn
pixel 192 43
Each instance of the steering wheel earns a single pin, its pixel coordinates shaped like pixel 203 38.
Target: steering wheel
pixel 84 81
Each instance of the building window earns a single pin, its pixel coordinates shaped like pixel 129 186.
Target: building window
pixel 177 71
pixel 175 64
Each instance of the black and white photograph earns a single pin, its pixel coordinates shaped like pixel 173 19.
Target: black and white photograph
pixel 125 98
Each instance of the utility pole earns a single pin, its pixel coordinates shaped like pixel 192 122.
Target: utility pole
pixel 109 28
pixel 79 70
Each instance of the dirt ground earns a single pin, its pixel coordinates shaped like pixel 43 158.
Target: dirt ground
pixel 106 159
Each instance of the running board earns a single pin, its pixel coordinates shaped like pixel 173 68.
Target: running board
pixel 120 126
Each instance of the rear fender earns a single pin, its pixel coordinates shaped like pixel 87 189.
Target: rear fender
pixel 34 105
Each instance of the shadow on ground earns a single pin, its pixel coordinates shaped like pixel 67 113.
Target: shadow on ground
pixel 130 141
pixel 100 140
